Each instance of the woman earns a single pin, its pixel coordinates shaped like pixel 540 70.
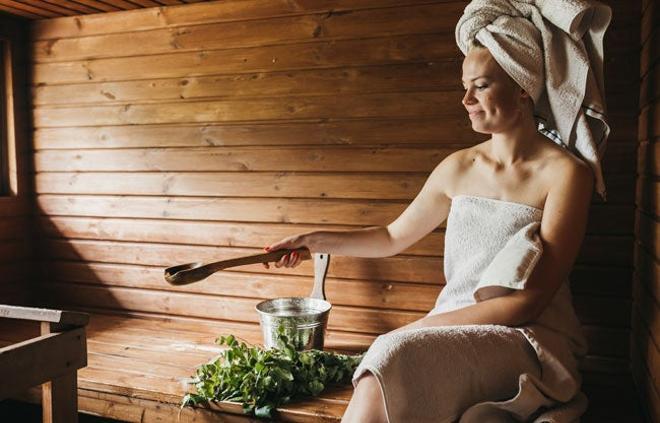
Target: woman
pixel 502 341
pixel 518 165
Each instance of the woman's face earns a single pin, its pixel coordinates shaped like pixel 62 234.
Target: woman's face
pixel 493 100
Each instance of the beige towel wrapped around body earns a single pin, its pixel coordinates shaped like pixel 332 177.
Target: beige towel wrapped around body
pixel 553 49
pixel 485 373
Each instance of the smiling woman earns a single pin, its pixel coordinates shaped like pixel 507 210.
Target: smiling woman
pixel 503 338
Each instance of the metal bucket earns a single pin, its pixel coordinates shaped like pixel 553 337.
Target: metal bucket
pixel 303 320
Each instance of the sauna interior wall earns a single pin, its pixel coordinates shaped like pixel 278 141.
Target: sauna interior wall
pixel 645 350
pixel 207 131
pixel 16 252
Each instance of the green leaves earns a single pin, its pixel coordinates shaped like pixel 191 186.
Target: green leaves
pixel 263 379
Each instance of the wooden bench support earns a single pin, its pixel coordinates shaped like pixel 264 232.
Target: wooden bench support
pixel 51 359
pixel 60 400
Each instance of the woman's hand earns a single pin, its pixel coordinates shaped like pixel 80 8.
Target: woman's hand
pixel 292 259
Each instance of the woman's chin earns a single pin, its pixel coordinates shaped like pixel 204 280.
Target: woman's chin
pixel 477 127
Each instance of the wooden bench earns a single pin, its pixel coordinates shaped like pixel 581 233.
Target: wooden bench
pixel 49 354
pixel 139 367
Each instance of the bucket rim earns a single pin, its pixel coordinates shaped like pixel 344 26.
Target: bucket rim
pixel 326 306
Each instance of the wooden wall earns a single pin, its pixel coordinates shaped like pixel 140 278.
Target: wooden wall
pixel 208 131
pixel 16 252
pixel 645 350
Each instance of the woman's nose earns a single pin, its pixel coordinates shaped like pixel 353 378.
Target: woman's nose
pixel 468 98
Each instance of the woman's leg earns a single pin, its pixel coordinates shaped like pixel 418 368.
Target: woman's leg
pixel 366 405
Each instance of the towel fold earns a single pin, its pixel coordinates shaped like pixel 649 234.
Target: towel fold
pixel 512 265
pixel 553 49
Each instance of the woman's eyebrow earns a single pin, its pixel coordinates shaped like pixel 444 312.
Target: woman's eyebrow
pixel 482 76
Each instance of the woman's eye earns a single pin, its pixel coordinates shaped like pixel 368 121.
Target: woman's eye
pixel 478 87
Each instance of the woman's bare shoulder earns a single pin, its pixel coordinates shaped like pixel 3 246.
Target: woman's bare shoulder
pixel 458 161
pixel 559 161
pixel 452 168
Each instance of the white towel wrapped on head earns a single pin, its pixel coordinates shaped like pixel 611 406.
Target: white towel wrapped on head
pixel 553 49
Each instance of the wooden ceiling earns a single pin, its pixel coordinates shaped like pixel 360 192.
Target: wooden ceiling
pixel 45 9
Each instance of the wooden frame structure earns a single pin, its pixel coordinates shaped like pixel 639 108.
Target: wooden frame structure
pixel 52 359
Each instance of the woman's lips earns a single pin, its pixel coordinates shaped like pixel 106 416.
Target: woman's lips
pixel 473 114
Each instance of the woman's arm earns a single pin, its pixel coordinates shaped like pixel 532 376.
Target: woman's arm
pixel 508 310
pixel 426 212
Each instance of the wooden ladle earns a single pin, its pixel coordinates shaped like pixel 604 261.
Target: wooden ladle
pixel 184 274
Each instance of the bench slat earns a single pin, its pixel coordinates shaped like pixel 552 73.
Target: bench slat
pixel 44 315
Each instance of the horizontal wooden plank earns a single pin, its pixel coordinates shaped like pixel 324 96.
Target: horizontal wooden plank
pixel 602 280
pixel 204 13
pixel 603 371
pixel 391 131
pixel 422 269
pixel 611 342
pixel 249 159
pixel 321 54
pixel 440 103
pixel 216 307
pixel 620 159
pixel 603 219
pixel 427 18
pixel 590 310
pixel 263 184
pixel 377 186
pixel 17 273
pixel 342 212
pixel 198 233
pixel 15 250
pixel 595 250
pixel 14 206
pixel 13 228
pixel 346 80
pixel 15 294
pixel 607 250
pixel 603 311
pixel 353 292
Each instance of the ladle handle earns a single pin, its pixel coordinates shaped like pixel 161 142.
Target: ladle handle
pixel 321 264
pixel 258 258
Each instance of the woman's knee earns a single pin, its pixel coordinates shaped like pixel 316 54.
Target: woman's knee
pixel 369 398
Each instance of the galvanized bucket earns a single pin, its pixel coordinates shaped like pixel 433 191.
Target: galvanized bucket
pixel 303 320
